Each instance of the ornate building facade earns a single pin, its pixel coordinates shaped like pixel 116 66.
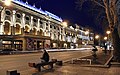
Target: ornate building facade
pixel 24 27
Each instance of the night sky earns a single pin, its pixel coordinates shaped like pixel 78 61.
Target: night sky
pixel 68 11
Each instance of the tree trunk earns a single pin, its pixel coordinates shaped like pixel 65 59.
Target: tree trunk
pixel 116 45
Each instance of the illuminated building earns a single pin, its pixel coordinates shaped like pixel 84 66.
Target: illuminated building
pixel 24 27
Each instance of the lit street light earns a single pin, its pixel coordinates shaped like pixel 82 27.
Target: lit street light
pixel 108 33
pixel 7 2
pixel 98 38
pixel 86 32
pixel 105 38
pixel 65 24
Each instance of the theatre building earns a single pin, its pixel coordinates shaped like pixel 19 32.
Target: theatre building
pixel 25 27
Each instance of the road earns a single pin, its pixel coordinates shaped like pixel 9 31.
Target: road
pixel 20 62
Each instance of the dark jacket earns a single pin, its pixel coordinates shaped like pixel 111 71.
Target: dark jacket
pixel 45 57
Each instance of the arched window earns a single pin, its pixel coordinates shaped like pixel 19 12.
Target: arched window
pixel 41 32
pixel 18 15
pixel 34 31
pixel 27 18
pixel 27 29
pixel 7 28
pixel 7 12
pixel 17 29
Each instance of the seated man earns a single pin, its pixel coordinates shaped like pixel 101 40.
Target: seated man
pixel 45 57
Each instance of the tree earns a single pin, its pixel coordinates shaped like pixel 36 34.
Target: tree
pixel 111 17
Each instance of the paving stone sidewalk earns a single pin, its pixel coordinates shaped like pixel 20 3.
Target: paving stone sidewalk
pixel 76 69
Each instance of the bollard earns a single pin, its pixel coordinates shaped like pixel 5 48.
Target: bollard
pixel 54 60
pixel 12 72
pixel 18 73
pixel 60 63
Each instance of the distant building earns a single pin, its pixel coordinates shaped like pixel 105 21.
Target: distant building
pixel 25 27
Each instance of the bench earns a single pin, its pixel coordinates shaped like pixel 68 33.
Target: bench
pixel 39 65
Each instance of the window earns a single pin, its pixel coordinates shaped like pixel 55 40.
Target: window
pixel 41 22
pixel 54 27
pixel 34 20
pixel 27 18
pixel 46 24
pixel 7 12
pixel 18 15
pixel 50 26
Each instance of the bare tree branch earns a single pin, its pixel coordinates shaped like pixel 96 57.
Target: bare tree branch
pixel 98 3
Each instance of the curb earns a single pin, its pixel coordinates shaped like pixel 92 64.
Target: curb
pixel 106 65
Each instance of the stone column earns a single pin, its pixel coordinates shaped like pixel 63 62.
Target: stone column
pixel 2 18
pixel 24 44
pixel 31 25
pixel 44 28
pixel 23 24
pixel 13 21
pixel 1 28
pixel 49 28
pixel 38 27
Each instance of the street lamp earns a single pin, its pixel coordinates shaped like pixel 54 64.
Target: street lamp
pixel 108 33
pixel 98 38
pixel 105 38
pixel 65 24
pixel 87 33
pixel 7 2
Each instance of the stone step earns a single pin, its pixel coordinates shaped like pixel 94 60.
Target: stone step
pixel 115 64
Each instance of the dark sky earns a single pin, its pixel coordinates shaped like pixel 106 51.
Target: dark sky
pixel 66 9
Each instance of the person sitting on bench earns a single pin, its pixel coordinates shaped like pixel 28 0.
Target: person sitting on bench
pixel 45 57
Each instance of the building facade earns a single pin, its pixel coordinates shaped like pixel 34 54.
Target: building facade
pixel 24 27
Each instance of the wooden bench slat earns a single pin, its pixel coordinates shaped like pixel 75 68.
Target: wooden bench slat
pixel 38 65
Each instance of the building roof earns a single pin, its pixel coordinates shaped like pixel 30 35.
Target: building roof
pixel 37 10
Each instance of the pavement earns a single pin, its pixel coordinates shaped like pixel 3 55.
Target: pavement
pixel 77 69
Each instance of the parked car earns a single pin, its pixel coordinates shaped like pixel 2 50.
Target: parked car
pixel 7 51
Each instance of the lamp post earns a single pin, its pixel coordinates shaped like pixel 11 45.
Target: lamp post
pixel 108 33
pixel 105 46
pixel 105 38
pixel 65 24
pixel 87 33
pixel 98 38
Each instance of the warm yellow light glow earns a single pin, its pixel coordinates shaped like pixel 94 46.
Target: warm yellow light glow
pixel 86 32
pixel 65 24
pixel 97 36
pixel 7 2
pixel 108 32
pixel 105 38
